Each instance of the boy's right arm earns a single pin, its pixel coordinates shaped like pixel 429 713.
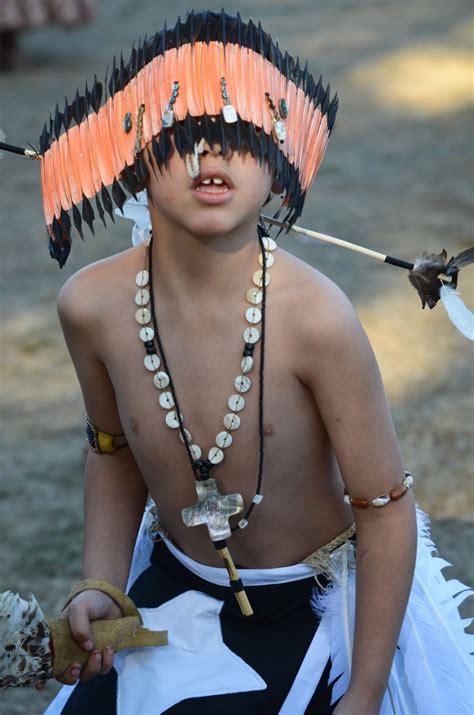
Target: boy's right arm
pixel 115 493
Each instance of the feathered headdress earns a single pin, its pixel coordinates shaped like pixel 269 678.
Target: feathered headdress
pixel 211 77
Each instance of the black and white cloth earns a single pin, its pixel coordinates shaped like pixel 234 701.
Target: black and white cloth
pixel 284 660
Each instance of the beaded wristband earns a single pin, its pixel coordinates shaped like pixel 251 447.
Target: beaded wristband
pixel 383 499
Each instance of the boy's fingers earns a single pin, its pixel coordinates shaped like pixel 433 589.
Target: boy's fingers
pixel 107 660
pixel 93 666
pixel 71 674
pixel 80 627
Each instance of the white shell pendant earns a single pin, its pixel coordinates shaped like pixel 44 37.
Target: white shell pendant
pixel 269 259
pixel 142 278
pixel 231 421
pixel 151 362
pixel 171 419
pixel 195 450
pixel 147 334
pixel 167 119
pixel 246 364
pixel 236 403
pixel 142 297
pixel 223 439
pixel 187 434
pixel 215 455
pixel 254 296
pixel 257 278
pixel 242 383
pixel 166 400
pixel 279 130
pixel 269 244
pixel 253 315
pixel 229 114
pixel 161 380
pixel 251 335
pixel 143 316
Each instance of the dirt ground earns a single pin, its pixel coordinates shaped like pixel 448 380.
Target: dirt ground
pixel 397 177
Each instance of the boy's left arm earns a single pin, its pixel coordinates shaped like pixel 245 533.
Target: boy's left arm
pixel 349 393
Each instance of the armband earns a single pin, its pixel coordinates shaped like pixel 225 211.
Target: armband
pixel 102 442
pixel 383 499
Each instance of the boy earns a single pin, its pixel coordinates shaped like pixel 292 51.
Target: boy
pixel 317 411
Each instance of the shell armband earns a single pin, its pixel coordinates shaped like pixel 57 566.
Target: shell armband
pixel 103 442
pixel 383 499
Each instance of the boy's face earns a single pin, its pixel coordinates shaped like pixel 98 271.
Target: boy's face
pixel 228 193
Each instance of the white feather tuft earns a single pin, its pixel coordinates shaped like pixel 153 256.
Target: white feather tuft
pixel 137 211
pixel 459 314
pixel 432 672
pixel 25 641
pixel 336 604
pixel 436 649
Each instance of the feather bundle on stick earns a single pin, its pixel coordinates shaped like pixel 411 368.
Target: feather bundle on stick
pixel 33 648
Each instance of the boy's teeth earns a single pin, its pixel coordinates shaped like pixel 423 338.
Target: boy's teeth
pixel 215 180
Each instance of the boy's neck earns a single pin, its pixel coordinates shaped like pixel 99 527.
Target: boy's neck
pixel 189 266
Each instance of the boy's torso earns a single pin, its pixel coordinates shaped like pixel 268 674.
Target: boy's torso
pixel 302 507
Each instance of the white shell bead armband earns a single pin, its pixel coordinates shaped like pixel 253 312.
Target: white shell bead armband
pixel 382 499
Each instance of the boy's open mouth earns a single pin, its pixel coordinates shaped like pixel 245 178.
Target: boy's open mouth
pixel 213 186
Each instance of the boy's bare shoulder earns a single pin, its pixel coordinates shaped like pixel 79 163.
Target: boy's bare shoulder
pixel 320 308
pixel 87 293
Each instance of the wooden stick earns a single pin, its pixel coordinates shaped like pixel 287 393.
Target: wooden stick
pixel 235 581
pixel 30 153
pixel 344 244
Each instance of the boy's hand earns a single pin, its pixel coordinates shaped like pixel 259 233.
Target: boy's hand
pixel 86 607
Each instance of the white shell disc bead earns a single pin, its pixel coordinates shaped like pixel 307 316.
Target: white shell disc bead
pixel 223 440
pixel 187 434
pixel 257 278
pixel 143 316
pixel 142 278
pixel 253 315
pixel 269 259
pixel 254 296
pixel 147 334
pixel 242 383
pixel 166 400
pixel 269 244
pixel 257 498
pixel 171 419
pixel 231 421
pixel 195 450
pixel 151 362
pixel 251 335
pixel 161 380
pixel 215 455
pixel 236 403
pixel 142 296
pixel 246 364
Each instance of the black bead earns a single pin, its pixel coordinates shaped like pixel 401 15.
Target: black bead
pixel 150 350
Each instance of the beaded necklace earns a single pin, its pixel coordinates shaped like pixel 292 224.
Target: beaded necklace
pixel 212 508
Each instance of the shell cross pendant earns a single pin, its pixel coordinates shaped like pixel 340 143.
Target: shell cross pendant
pixel 213 509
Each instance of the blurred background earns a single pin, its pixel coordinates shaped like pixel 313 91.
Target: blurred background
pixel 397 177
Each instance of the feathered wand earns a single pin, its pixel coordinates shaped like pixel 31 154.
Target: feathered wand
pixel 432 275
pixel 34 648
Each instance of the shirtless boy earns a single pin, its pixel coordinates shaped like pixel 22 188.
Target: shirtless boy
pixel 326 422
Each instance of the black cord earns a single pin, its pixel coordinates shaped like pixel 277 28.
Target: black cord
pixel 261 451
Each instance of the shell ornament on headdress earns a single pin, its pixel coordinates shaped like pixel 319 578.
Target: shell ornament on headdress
pixel 211 77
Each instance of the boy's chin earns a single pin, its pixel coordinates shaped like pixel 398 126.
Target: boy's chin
pixel 217 226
